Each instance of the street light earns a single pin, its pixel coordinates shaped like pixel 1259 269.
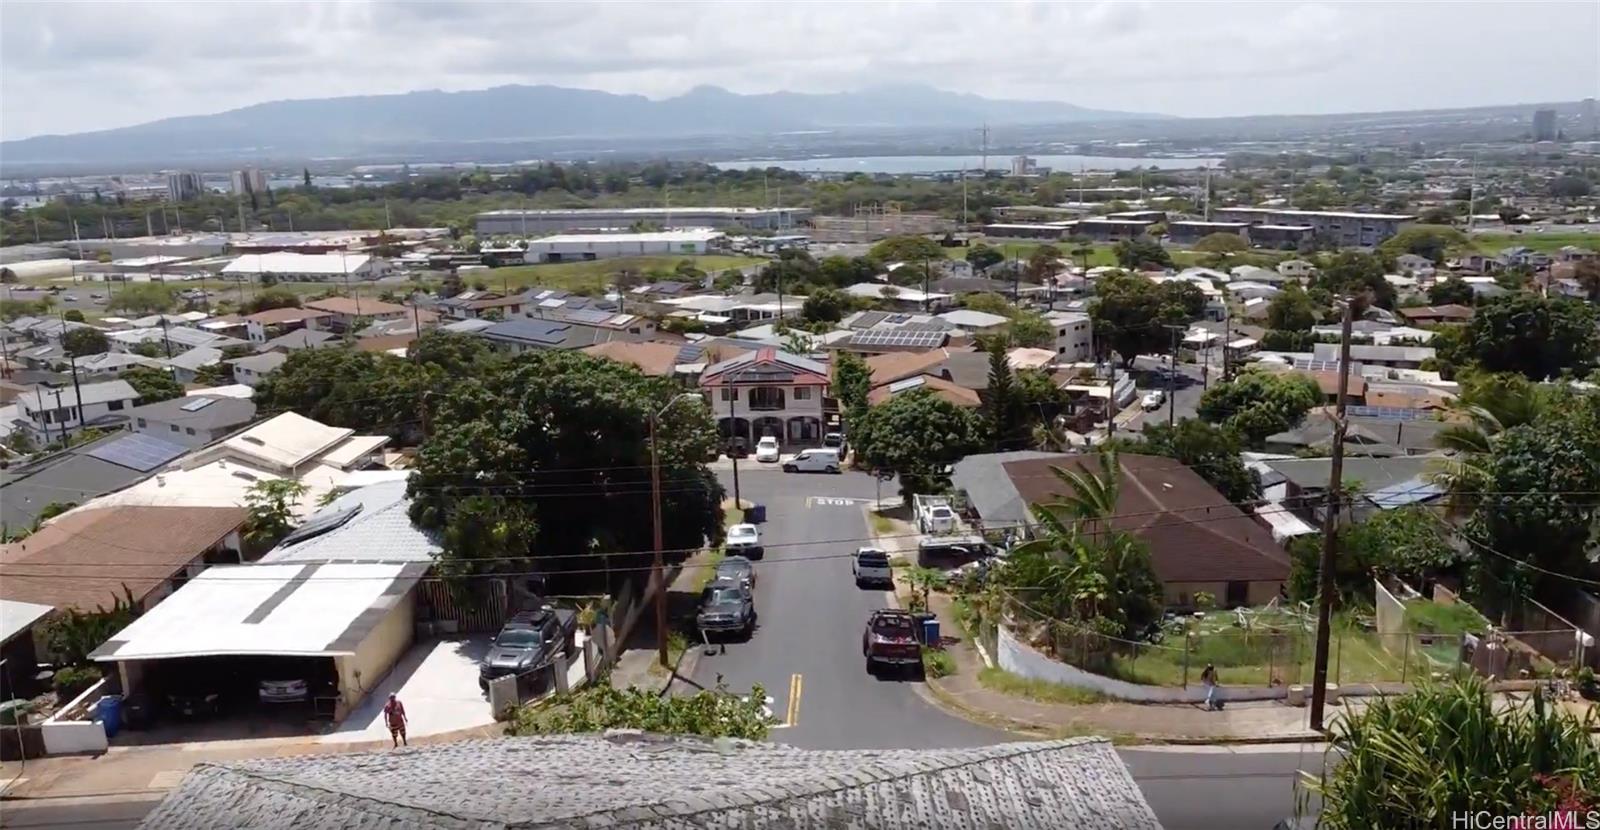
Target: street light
pixel 657 569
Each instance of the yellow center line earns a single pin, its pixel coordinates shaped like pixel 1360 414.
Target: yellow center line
pixel 794 700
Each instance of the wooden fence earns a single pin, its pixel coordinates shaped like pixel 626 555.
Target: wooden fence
pixel 483 609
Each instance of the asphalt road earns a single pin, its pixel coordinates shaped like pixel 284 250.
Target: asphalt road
pixel 1185 397
pixel 107 813
pixel 806 651
pixel 1206 787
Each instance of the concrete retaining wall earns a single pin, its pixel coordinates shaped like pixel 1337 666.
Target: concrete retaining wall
pixel 1023 660
pixel 71 731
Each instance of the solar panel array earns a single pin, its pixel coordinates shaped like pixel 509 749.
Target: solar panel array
pixel 909 383
pixel 1312 364
pixel 197 404
pixel 591 316
pixel 321 525
pixel 898 318
pixel 1412 491
pixel 1390 413
pixel 899 338
pixel 137 451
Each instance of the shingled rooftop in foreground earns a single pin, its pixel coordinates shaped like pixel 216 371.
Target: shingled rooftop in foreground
pixel 648 781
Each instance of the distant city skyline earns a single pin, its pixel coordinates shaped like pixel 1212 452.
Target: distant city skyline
pixel 74 67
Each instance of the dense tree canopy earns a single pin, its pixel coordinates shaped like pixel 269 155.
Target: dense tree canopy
pixel 1140 253
pixel 983 256
pixel 270 298
pixel 1292 310
pixel 554 445
pixel 1431 241
pixel 1131 312
pixel 825 305
pixel 368 391
pixel 909 248
pixel 1536 336
pixel 85 341
pixel 1356 274
pixel 1451 291
pixel 1211 451
pixel 1004 412
pixel 1257 403
pixel 917 436
pixel 153 384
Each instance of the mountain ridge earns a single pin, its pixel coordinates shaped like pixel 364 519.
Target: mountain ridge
pixel 362 123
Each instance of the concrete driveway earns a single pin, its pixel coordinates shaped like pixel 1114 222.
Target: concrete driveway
pixel 437 680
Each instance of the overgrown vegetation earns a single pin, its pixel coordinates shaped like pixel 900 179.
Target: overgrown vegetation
pixel 711 713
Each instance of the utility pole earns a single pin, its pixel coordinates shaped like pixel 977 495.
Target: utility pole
pixel 58 409
pixel 38 394
pixel 732 392
pixel 1111 400
pixel 73 359
pixel 1227 337
pixel 658 573
pixel 164 336
pixel 1330 523
pixel 927 280
pixel 1172 376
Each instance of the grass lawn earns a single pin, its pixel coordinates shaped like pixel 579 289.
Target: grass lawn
pixel 1547 241
pixel 1043 691
pixel 881 525
pixel 595 275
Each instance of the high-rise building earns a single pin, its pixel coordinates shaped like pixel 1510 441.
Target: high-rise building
pixel 248 181
pixel 1544 125
pixel 1591 118
pixel 183 185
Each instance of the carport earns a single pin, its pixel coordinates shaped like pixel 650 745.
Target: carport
pixel 339 627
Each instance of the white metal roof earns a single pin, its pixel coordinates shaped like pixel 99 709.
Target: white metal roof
pixel 692 235
pixel 292 609
pixel 353 449
pixel 16 616
pixel 289 262
pixel 288 440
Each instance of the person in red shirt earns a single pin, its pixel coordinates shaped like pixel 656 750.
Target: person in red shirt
pixel 394 713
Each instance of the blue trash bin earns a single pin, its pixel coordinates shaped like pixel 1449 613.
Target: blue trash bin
pixel 109 712
pixel 757 514
pixel 930 631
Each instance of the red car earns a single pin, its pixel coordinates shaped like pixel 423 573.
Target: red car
pixel 891 639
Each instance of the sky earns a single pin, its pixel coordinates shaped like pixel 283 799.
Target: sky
pixel 70 66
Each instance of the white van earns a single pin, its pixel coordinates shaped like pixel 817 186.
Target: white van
pixel 813 460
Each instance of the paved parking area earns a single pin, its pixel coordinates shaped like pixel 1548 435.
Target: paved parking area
pixel 437 680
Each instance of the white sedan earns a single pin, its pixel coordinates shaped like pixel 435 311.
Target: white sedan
pixel 767 449
pixel 1153 400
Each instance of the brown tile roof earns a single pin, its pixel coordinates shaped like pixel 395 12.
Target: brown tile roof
pixel 652 358
pixel 385 342
pixel 348 305
pixel 1194 533
pixel 954 393
pixel 1328 382
pixel 274 316
pixel 1445 313
pixel 887 368
pixel 83 559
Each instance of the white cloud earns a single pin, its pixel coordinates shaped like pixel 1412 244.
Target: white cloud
pixel 69 66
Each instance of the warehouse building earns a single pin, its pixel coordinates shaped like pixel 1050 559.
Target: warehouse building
pixel 294 267
pixel 524 222
pixel 576 247
pixel 1342 228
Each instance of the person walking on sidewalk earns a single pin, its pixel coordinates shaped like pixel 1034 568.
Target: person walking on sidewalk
pixel 1208 678
pixel 394 714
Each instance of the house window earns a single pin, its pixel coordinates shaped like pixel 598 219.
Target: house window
pixel 802 393
pixel 114 405
pixel 1237 594
pixel 729 393
pixel 174 427
pixel 142 423
pixel 189 430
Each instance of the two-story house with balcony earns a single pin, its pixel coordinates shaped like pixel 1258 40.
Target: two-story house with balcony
pixel 52 414
pixel 767 392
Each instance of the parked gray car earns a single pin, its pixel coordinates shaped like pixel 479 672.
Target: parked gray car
pixel 727 607
pixel 736 569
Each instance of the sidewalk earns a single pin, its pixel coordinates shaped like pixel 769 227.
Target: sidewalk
pixel 639 664
pixel 964 695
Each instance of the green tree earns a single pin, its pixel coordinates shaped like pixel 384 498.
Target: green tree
pixel 456 355
pixel 1356 274
pixel 153 384
pixel 81 342
pixel 1029 330
pixel 1570 187
pixel 1131 312
pixel 984 256
pixel 271 504
pixel 1587 273
pixel 1536 336
pixel 1221 246
pixel 558 442
pixel 269 299
pixel 1431 241
pixel 73 635
pixel 917 436
pixel 908 248
pixel 1211 451
pixel 990 303
pixel 1043 264
pixel 852 382
pixel 1139 253
pixel 1257 404
pixel 1441 751
pixel 1002 409
pixel 143 298
pixel 357 390
pixel 711 713
pixel 1292 310
pixel 1454 290
pixel 72 315
pixel 825 305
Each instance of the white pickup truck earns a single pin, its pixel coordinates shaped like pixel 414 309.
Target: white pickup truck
pixel 871 567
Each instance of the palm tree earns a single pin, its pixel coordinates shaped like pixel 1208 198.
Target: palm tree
pixel 1488 408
